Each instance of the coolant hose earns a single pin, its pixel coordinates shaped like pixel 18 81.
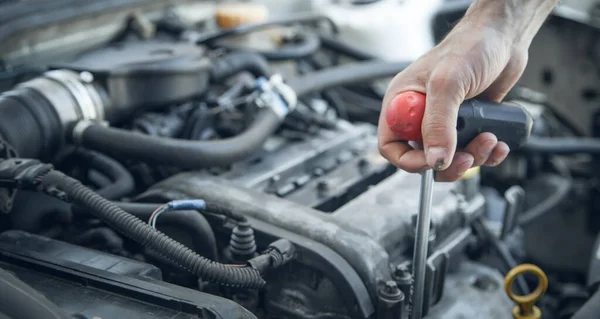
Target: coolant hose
pixel 306 43
pixel 185 154
pixel 345 74
pixel 561 145
pixel 61 186
pixel 122 183
pixel 591 309
pixel 237 62
pixel 338 46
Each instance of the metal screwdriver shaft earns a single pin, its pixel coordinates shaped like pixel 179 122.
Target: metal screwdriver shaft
pixel 419 265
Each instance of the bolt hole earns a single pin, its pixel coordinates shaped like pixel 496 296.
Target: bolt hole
pixel 547 76
pixel 485 283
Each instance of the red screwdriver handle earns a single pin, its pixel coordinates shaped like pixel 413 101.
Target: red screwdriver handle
pixel 404 115
pixel 511 124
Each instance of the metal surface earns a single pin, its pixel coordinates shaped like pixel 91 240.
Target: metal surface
pixel 421 243
pixel 473 291
pixel 514 197
pixel 324 171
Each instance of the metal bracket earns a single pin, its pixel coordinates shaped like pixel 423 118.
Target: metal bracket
pixel 514 197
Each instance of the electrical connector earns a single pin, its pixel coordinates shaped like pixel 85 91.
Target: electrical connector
pixel 276 255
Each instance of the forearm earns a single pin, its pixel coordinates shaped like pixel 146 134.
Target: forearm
pixel 520 20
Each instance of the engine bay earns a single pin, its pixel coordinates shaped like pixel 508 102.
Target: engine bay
pixel 194 159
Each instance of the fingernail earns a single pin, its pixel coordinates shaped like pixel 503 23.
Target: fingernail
pixel 437 157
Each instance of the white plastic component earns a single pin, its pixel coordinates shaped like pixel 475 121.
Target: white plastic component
pixel 392 30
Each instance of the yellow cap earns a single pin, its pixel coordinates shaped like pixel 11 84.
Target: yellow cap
pixel 526 308
pixel 235 14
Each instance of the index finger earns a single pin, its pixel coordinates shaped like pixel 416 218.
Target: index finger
pixel 397 152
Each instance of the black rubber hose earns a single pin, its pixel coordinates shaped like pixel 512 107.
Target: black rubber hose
pixel 337 46
pixel 61 185
pixel 191 222
pixel 122 180
pixel 306 43
pixel 247 28
pixel 20 300
pixel 234 63
pixel 182 153
pixel 591 309
pixel 345 74
pixel 561 145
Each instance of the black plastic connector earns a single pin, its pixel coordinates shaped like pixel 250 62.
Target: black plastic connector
pixel 19 173
pixel 278 253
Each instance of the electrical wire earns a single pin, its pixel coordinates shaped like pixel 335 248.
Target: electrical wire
pixel 562 187
pixel 186 204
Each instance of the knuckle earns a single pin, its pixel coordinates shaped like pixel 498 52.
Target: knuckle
pixel 436 125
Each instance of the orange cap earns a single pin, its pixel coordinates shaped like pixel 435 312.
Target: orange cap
pixel 236 14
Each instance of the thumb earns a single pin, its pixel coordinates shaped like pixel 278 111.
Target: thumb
pixel 446 90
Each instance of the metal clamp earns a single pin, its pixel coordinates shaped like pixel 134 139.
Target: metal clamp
pixel 277 95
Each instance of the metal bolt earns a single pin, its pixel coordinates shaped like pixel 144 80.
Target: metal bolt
pixel 401 271
pixel 390 287
pixel 318 171
pixel 86 77
pixel 323 186
pixel 363 165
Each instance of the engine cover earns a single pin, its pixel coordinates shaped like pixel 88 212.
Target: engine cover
pixel 360 239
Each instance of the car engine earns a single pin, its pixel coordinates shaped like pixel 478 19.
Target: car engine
pixel 219 159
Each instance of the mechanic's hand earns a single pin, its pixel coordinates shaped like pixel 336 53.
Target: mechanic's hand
pixel 469 62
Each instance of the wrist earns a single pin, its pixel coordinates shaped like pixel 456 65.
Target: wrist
pixel 516 20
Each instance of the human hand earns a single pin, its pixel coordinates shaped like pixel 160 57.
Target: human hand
pixel 470 62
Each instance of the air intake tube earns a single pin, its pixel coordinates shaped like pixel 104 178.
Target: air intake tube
pixel 36 114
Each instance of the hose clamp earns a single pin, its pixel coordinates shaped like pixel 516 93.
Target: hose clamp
pixel 86 96
pixel 73 97
pixel 276 95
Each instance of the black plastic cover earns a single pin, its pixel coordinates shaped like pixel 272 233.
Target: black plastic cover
pixel 62 251
pixel 95 293
pixel 146 74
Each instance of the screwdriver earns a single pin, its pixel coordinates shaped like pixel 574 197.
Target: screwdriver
pixel 404 115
